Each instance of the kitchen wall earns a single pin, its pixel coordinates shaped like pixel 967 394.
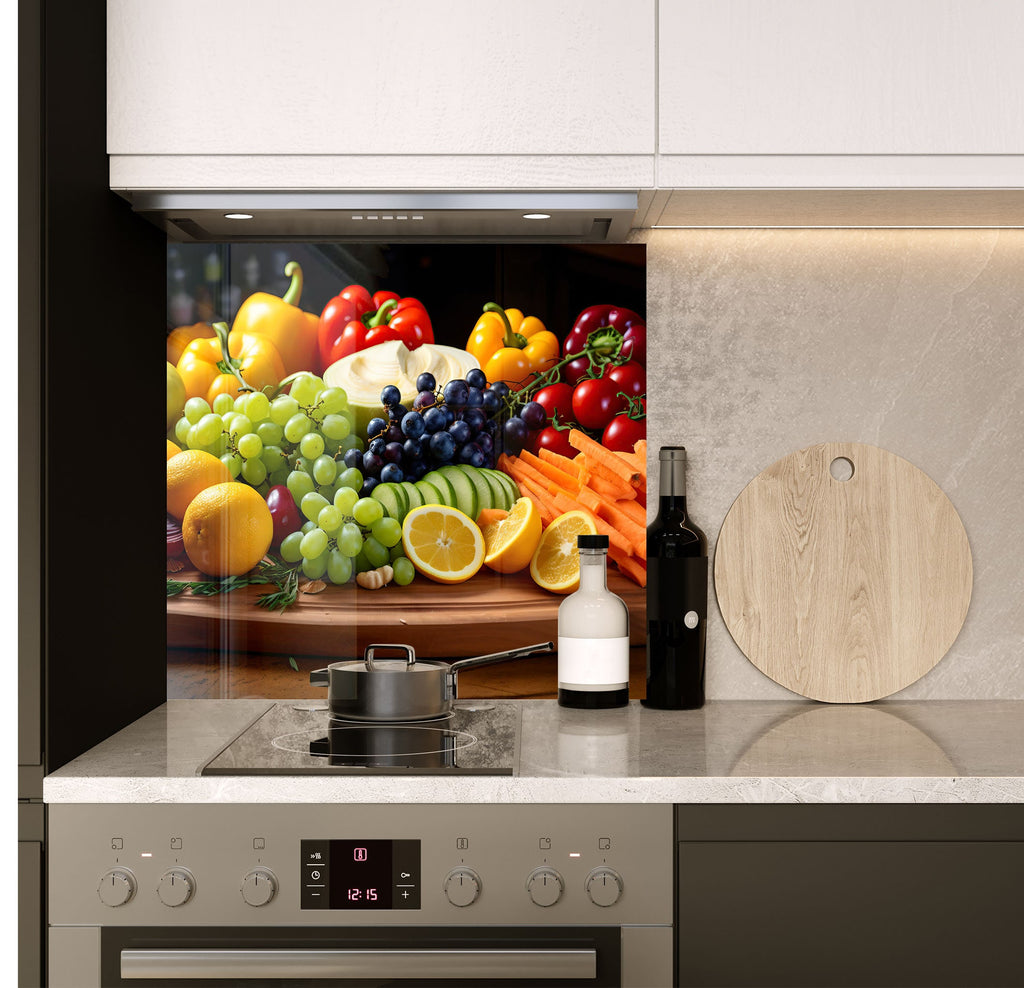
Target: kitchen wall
pixel 766 341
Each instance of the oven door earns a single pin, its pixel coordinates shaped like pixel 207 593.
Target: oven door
pixel 291 956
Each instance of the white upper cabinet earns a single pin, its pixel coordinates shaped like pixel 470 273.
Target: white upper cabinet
pixel 566 94
pixel 533 79
pixel 778 92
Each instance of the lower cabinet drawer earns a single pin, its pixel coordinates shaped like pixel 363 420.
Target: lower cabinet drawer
pixel 823 913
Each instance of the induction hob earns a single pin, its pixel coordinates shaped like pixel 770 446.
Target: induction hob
pixel 300 738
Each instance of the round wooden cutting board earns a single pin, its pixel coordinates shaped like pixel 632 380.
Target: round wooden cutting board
pixel 843 590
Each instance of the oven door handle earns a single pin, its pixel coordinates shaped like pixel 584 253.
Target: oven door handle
pixel 441 965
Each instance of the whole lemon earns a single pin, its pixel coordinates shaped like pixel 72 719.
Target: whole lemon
pixel 227 529
pixel 175 395
pixel 188 473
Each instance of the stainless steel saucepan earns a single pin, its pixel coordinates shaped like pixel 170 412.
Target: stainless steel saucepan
pixel 401 689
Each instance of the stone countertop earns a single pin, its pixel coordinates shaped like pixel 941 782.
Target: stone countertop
pixel 926 751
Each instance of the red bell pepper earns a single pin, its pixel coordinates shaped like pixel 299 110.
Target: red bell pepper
pixel 629 326
pixel 354 320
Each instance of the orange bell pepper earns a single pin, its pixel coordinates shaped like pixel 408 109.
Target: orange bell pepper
pixel 511 347
pixel 181 336
pixel 293 333
pixel 253 364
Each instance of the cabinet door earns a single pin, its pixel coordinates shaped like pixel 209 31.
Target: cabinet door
pixel 928 914
pixel 392 77
pixel 847 77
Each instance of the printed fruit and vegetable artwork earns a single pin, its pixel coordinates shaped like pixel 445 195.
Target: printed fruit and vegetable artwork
pixel 350 450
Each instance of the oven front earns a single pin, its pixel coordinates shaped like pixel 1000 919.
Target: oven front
pixel 317 894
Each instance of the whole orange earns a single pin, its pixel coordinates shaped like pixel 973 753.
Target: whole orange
pixel 227 529
pixel 188 473
pixel 172 449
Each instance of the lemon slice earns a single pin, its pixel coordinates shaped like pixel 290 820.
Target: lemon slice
pixel 512 541
pixel 556 563
pixel 443 543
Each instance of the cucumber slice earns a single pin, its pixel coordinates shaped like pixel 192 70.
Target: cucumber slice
pixel 484 494
pixel 465 491
pixel 511 488
pixel 499 494
pixel 443 485
pixel 429 492
pixel 392 500
pixel 413 498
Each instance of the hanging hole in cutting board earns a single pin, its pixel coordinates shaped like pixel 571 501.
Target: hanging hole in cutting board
pixel 841 468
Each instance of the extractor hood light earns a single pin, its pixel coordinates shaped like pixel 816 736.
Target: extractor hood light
pixel 455 215
pixel 238 216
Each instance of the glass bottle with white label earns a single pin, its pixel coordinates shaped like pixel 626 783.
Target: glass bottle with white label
pixel 677 594
pixel 593 635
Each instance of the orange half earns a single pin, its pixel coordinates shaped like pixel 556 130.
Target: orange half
pixel 556 563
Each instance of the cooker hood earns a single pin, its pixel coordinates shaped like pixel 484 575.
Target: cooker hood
pixel 391 216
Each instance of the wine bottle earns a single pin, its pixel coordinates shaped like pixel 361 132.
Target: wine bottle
pixel 677 594
pixel 593 635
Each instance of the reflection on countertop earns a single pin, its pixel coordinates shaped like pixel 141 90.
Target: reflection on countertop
pixel 729 751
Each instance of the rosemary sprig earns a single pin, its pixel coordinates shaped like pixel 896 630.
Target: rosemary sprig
pixel 287 588
pixel 286 578
pixel 210 588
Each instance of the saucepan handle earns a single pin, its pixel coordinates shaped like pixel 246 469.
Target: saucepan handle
pixel 319 677
pixel 515 653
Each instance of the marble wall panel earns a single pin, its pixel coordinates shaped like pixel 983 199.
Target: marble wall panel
pixel 766 341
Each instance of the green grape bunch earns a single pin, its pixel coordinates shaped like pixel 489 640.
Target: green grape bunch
pixel 261 440
pixel 299 439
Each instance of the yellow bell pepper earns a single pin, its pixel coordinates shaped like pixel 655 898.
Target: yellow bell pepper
pixel 511 347
pixel 280 320
pixel 180 337
pixel 254 364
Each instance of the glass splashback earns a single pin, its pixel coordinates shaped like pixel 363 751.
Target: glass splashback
pixel 323 494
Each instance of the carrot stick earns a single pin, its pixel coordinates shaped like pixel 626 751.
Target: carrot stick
pixel 611 489
pixel 608 511
pixel 524 473
pixel 634 510
pixel 518 468
pixel 638 463
pixel 566 481
pixel 596 453
pixel 589 500
pixel 629 566
pixel 636 534
pixel 565 463
pixel 542 499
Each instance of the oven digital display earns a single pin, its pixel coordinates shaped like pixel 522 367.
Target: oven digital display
pixel 360 874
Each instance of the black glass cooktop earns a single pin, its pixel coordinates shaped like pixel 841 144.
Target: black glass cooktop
pixel 300 738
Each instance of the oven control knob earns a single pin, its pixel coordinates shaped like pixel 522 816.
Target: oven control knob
pixel 259 886
pixel 604 886
pixel 462 886
pixel 116 887
pixel 176 887
pixel 545 886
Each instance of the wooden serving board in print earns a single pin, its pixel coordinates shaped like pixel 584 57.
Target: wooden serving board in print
pixel 489 613
pixel 843 590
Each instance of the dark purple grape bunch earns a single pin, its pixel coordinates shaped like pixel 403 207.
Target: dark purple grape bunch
pixel 529 418
pixel 456 425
